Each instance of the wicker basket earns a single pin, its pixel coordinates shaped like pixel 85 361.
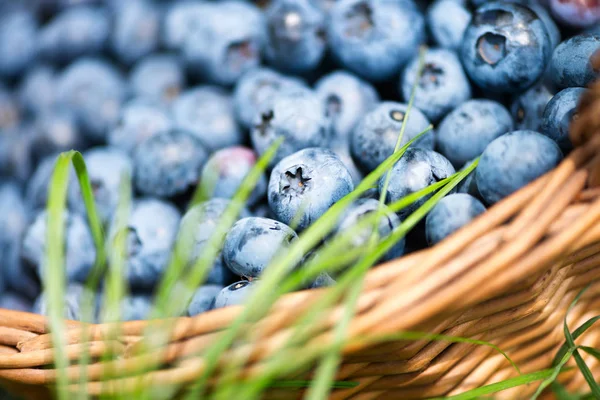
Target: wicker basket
pixel 507 278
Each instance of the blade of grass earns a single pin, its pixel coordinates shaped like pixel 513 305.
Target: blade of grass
pixel 500 386
pixel 587 374
pixel 325 372
pixel 576 333
pixel 264 295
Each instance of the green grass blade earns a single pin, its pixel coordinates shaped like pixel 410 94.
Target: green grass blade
pixel 591 351
pixel 500 386
pixel 576 333
pixel 587 374
pixel 54 278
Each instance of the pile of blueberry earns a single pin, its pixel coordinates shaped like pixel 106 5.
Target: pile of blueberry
pixel 181 93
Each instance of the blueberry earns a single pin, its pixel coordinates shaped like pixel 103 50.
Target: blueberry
pixel 234 294
pixel 347 98
pixel 571 65
pixel 322 280
pixel 73 301
pixel 505 48
pixel 257 86
pixel 15 301
pixel 94 90
pixel 342 150
pixel 450 214
pixel 196 231
pixel 375 38
pixel 207 112
pixel 442 85
pixel 298 116
pixel 253 243
pixel 9 109
pixel 16 146
pixel 558 115
pixel 447 20
pixel 36 189
pixel 57 131
pixel 305 184
pixel 387 223
pixel 466 131
pixel 140 119
pixel 527 109
pixel 37 91
pixel 225 170
pixel 159 77
pixel 576 13
pixel 136 307
pixel 296 35
pixel 548 22
pixel 135 30
pixel 75 32
pixel 374 138
pixel 512 161
pixel 18 41
pixel 106 167
pixel 168 163
pixel 79 252
pixel 417 169
pixel 203 299
pixel 227 43
pixel 468 185
pixel 14 220
pixel 151 231
pixel 181 20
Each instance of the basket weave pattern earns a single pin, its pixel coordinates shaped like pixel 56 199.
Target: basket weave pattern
pixel 507 278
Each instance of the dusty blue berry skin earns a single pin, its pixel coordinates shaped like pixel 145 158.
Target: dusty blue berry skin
pixel 15 301
pixel 323 280
pixel 347 98
pixel 374 138
pixel 75 32
pixel 168 163
pixel 225 170
pixel 505 48
pixel 37 91
pixel 542 12
pixel 388 222
pixel 14 219
pixel 57 131
pixel 298 116
pixel 136 307
pixel 558 116
pixel 257 86
pixel 203 299
pixel 295 35
pixel 466 131
pixel 450 214
pixel 417 169
pixel 140 118
pixel 158 77
pixel 151 231
pixel 527 109
pixel 136 30
pixel 304 185
pixel 571 65
pixel 197 228
pixel 512 161
pixel 181 20
pixel 36 188
pixel 105 166
pixel 94 90
pixel 18 41
pixel 207 112
pixel 73 300
pixel 9 109
pixel 80 252
pixel 442 86
pixel 16 146
pixel 228 42
pixel 342 150
pixel 447 21
pixel 576 14
pixel 375 38
pixel 253 243
pixel 234 294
